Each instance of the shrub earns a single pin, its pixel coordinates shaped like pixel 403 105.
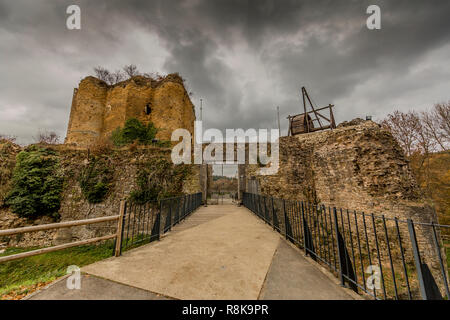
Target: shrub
pixel 36 184
pixel 134 130
pixel 96 180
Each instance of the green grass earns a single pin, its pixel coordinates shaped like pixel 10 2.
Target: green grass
pixel 20 275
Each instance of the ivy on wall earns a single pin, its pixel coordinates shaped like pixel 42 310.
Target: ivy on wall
pixel 134 130
pixel 96 180
pixel 157 179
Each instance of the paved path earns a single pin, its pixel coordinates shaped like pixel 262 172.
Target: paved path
pixel 220 252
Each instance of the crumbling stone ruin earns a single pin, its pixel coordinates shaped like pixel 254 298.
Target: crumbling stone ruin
pixel 357 166
pixel 98 108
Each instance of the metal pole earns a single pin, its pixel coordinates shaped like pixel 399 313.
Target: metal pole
pixel 417 260
pixel 201 109
pixel 158 220
pixel 304 230
pixel 285 219
pixel 336 230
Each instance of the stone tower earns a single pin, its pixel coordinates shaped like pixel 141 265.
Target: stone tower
pixel 98 109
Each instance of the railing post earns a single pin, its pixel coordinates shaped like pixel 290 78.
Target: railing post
pixel 265 210
pixel 285 219
pixel 273 214
pixel 304 230
pixel 188 205
pixel 170 215
pixel 120 224
pixel 158 220
pixel 417 260
pixel 178 210
pixel 336 230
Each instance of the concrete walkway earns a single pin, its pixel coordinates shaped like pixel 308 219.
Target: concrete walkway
pixel 220 252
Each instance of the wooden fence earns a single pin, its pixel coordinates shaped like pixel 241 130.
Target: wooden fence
pixel 68 224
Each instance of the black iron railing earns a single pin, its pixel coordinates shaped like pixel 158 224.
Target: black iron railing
pixel 384 257
pixel 144 223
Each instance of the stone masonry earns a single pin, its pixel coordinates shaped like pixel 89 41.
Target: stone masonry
pixel 357 167
pixel 98 109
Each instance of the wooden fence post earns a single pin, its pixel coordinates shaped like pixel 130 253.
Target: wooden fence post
pixel 119 233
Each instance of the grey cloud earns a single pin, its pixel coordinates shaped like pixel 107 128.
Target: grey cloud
pixel 321 44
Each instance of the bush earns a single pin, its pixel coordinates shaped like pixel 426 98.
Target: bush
pixel 36 184
pixel 96 180
pixel 134 130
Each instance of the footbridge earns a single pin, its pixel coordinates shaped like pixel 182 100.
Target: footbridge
pixel 216 252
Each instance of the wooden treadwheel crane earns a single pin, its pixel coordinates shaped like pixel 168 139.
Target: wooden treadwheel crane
pixel 310 121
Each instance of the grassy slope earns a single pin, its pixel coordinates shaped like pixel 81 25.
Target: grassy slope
pixel 20 277
pixel 433 176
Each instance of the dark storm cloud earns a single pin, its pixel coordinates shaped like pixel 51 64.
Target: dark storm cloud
pixel 242 57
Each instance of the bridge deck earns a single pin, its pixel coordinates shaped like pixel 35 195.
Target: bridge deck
pixel 220 252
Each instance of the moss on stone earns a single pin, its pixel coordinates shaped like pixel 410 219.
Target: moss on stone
pixel 96 180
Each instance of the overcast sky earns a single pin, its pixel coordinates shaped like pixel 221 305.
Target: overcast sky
pixel 243 57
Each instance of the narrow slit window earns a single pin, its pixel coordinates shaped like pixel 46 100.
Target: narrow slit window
pixel 148 109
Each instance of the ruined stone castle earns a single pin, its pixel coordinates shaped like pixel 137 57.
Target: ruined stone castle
pixel 98 108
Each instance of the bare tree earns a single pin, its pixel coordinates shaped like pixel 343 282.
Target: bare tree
pixel 403 128
pixel 424 133
pixel 103 74
pixel 131 70
pixel 117 77
pixel 431 125
pixel 48 137
pixel 424 143
pixel 442 113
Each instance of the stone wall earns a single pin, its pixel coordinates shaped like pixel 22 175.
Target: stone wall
pixel 357 167
pixel 98 109
pixel 125 163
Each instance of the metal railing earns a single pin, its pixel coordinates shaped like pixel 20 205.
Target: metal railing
pixel 383 257
pixel 145 223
